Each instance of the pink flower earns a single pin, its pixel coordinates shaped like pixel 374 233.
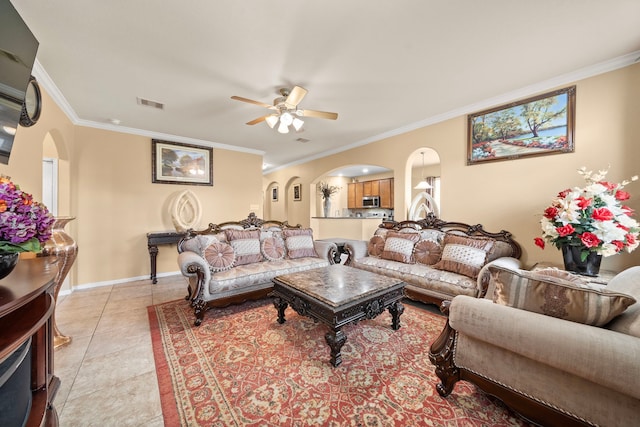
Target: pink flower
pixel 610 186
pixel 631 239
pixel 583 203
pixel 622 195
pixel 618 244
pixel 539 242
pixel 590 240
pixel 565 230
pixel 602 214
pixel 550 212
pixel 564 193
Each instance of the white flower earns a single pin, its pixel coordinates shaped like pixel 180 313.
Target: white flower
pixel 608 231
pixel 608 249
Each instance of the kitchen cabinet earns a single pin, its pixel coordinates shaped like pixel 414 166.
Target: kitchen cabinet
pixel 351 196
pixel 382 188
pixel 386 193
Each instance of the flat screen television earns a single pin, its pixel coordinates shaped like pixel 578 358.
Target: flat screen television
pixel 18 48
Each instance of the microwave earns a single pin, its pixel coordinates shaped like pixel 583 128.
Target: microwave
pixel 371 202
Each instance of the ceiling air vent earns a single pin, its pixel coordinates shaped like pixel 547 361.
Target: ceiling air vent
pixel 149 103
pixel 303 140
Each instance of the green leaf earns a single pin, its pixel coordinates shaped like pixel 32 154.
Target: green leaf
pixel 32 245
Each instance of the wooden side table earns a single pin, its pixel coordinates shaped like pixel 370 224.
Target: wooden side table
pixel 160 238
pixel 603 277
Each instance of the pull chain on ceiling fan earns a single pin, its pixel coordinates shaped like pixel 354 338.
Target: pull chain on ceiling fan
pixel 287 112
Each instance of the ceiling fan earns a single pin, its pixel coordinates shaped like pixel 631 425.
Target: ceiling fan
pixel 287 112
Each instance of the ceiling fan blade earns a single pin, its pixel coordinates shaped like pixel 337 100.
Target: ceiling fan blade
pixel 251 101
pixel 319 114
pixel 295 97
pixel 258 120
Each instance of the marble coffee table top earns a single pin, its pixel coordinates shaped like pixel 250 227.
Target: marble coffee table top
pixel 337 285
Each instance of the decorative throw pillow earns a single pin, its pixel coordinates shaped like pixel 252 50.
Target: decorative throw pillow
pixel 427 252
pixel 246 244
pixel 500 249
pixel 273 248
pixel 220 256
pixel 376 246
pixel 464 254
pixel 399 247
pixel 541 293
pixel 299 243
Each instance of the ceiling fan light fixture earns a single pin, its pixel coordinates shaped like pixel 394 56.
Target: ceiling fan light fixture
pixel 286 118
pixel 283 128
pixel 271 120
pixel 297 124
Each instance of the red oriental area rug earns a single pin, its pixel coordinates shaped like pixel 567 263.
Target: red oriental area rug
pixel 241 368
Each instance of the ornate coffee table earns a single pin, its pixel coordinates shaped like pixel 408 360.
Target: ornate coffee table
pixel 336 296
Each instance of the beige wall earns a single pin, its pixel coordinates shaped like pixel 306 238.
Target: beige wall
pixel 512 195
pixel 109 191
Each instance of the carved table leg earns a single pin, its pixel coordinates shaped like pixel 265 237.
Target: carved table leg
pixel 281 305
pixel 336 339
pixel 396 310
pixel 153 254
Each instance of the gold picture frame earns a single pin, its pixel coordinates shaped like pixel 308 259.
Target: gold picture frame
pixel 536 126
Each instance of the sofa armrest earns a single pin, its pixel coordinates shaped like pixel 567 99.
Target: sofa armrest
pixel 355 249
pixel 195 268
pixel 326 250
pixel 596 354
pixel 485 287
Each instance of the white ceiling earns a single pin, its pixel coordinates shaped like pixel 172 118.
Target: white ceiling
pixel 384 66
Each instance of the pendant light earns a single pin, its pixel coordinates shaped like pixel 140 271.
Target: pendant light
pixel 422 185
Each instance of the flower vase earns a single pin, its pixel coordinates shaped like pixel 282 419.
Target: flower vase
pixel 573 262
pixel 327 207
pixel 8 262
pixel 62 246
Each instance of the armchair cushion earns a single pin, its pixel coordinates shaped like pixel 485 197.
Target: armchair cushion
pixel 246 244
pixel 464 255
pixel 577 301
pixel 299 243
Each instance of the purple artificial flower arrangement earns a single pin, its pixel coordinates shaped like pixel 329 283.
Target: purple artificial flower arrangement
pixel 24 223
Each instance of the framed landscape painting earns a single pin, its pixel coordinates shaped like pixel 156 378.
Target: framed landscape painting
pixel 536 126
pixel 176 163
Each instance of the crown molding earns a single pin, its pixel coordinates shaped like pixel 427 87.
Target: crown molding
pixel 525 92
pixel 47 83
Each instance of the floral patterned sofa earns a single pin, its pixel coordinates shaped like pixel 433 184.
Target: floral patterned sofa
pixel 235 261
pixel 436 259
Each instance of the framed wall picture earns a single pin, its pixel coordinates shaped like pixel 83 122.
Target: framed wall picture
pixel 535 126
pixel 176 163
pixel 297 192
pixel 274 194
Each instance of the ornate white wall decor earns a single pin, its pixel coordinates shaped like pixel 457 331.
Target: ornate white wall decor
pixel 185 211
pixel 421 205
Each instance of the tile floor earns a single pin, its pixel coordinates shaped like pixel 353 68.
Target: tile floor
pixel 108 371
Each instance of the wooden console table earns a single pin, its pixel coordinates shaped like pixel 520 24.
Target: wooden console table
pixel 160 238
pixel 26 310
